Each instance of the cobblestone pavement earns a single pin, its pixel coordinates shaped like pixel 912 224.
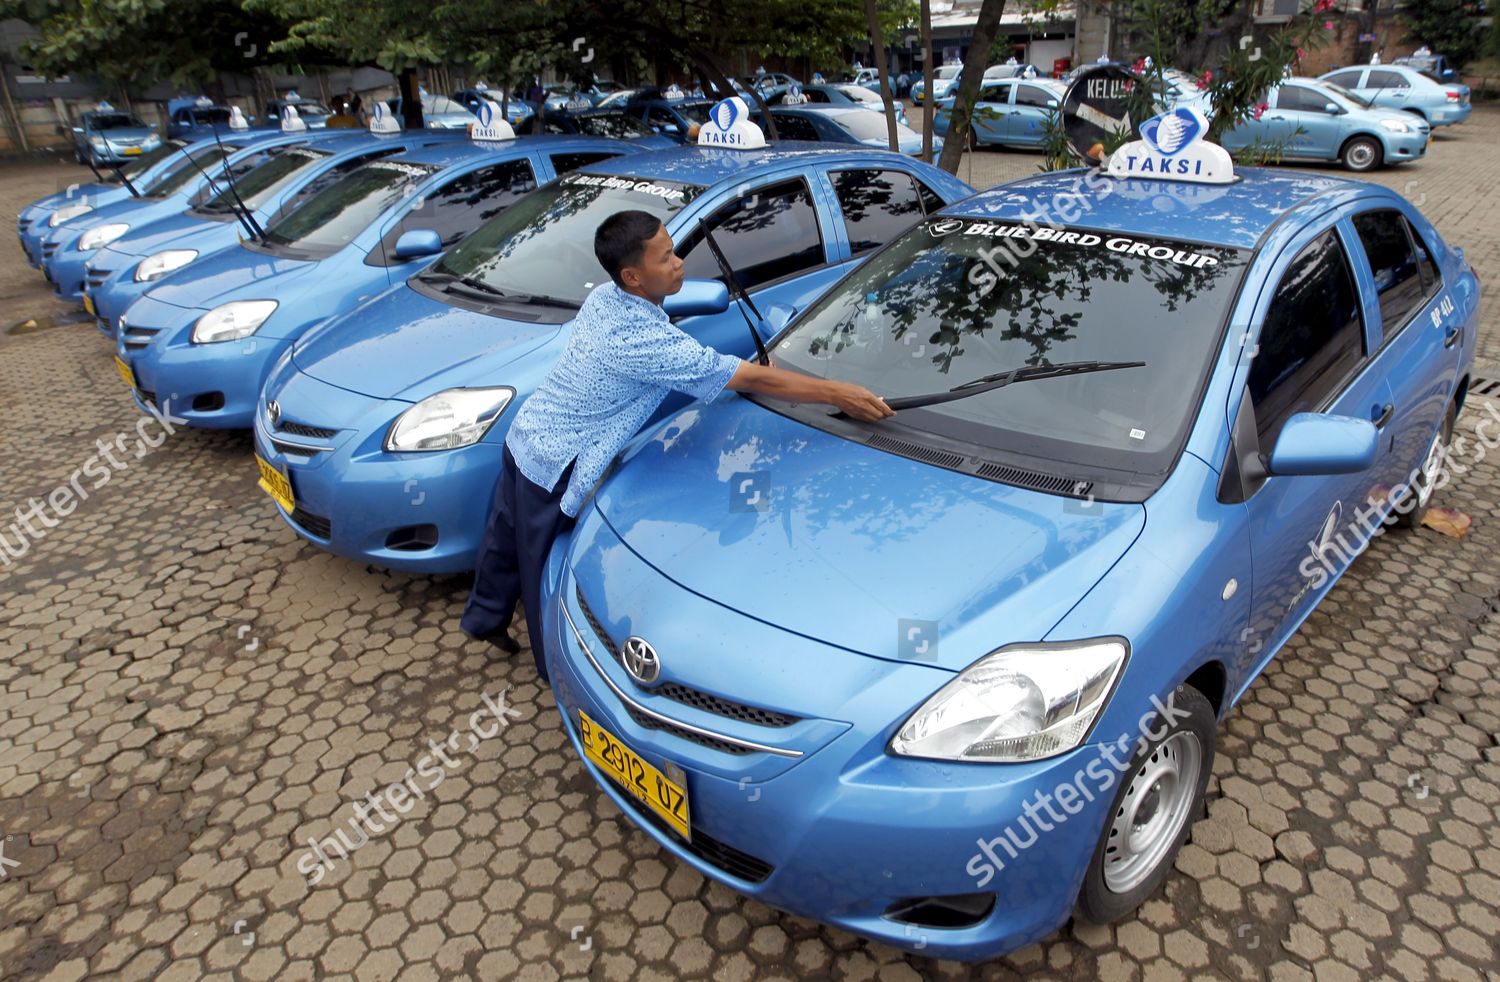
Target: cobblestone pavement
pixel 188 693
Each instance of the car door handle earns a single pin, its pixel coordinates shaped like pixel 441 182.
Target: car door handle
pixel 1454 332
pixel 1381 415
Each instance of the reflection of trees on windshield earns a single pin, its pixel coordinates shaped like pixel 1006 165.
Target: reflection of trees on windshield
pixel 944 296
pixel 333 211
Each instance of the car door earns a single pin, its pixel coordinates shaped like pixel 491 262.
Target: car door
pixel 1388 88
pixel 1033 104
pixel 1311 130
pixel 992 112
pixel 453 209
pixel 1310 354
pixel 1421 342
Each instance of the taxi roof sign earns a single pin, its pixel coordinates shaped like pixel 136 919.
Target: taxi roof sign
pixel 487 128
pixel 381 120
pixel 729 127
pixel 1172 148
pixel 237 120
pixel 292 121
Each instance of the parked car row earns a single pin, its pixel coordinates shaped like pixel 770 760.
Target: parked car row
pixel 1068 555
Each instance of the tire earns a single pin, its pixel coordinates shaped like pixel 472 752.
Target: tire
pixel 1361 154
pixel 1431 467
pixel 971 140
pixel 1165 784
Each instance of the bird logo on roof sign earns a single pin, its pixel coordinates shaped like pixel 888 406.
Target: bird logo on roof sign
pixel 729 126
pixel 1172 148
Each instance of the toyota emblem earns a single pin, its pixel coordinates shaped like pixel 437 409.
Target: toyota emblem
pixel 273 412
pixel 640 660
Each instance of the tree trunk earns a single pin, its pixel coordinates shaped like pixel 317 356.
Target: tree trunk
pixel 878 43
pixel 975 62
pixel 411 99
pixel 927 79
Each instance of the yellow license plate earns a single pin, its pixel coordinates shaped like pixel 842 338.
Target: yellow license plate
pixel 667 798
pixel 275 484
pixel 88 304
pixel 126 372
pixel 132 151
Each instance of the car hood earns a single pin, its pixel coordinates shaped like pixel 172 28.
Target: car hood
pixel 170 232
pixel 203 281
pixel 405 345
pixel 128 134
pixel 852 546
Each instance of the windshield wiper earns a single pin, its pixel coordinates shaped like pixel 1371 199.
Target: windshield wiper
pixel 452 280
pixel 998 380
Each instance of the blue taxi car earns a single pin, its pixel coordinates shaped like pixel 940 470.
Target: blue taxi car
pixel 109 136
pixel 79 198
pixel 1010 112
pixel 387 423
pixel 1308 118
pixel 944 679
pixel 192 176
pixel 1407 90
pixel 117 275
pixel 206 336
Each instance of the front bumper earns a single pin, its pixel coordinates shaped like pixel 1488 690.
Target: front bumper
pixel 1399 148
pixel 416 512
pixel 847 834
pixel 109 281
pixel 64 269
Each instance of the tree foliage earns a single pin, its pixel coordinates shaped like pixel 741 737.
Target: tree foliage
pixel 1448 27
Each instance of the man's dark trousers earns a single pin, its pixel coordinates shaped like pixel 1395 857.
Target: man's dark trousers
pixel 524 520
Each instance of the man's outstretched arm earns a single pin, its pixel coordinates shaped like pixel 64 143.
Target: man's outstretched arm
pixel 856 400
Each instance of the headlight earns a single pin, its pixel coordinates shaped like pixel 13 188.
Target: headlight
pixel 155 266
pixel 101 235
pixel 1394 126
pixel 1020 703
pixel 452 418
pixel 99 142
pixel 232 321
pixel 67 213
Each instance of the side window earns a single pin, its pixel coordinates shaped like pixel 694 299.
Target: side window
pixel 998 94
pixel 1311 340
pixel 791 127
pixel 464 204
pixel 1431 279
pixel 816 95
pixel 562 163
pixel 1394 263
pixel 1032 95
pixel 877 205
pixel 765 235
pixel 1387 80
pixel 662 121
pixel 1299 99
pixel 1349 80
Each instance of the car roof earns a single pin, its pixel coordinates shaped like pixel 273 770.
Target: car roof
pixel 1236 215
pixel 460 150
pixel 709 165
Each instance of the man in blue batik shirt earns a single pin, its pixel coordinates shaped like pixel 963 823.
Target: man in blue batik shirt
pixel 623 358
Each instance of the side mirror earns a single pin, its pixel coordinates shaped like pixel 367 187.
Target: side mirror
pixel 670 128
pixel 1052 103
pixel 418 243
pixel 1333 109
pixel 697 297
pixel 1313 444
pixel 78 129
pixel 779 316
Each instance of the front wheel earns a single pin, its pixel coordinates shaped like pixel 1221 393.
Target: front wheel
pixel 1150 816
pixel 1432 465
pixel 1361 154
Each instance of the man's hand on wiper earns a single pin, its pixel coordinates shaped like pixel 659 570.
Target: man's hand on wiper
pixel 998 380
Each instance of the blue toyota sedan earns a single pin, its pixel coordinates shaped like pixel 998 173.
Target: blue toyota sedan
pixel 1406 90
pixel 386 424
pixel 944 679
pixel 118 274
pixel 109 136
pixel 1309 119
pixel 205 337
pixel 1009 112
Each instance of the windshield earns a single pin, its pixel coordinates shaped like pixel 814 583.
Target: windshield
pixel 697 112
pixel 437 104
pixel 617 125
pixel 117 121
pixel 263 182
pixel 954 300
pixel 330 219
pixel 948 71
pixel 543 245
pixel 186 169
pixel 218 115
pixel 147 160
pixel 858 93
pixel 307 107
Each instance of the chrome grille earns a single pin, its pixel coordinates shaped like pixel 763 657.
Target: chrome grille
pixel 302 429
pixel 137 337
pixel 298 449
pixel 95 277
pixel 722 746
pixel 689 696
pixel 49 249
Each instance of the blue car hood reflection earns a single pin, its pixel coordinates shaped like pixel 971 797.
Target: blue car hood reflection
pixel 403 345
pixel 845 541
pixel 206 280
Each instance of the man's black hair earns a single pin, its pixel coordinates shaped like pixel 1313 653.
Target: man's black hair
pixel 621 238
